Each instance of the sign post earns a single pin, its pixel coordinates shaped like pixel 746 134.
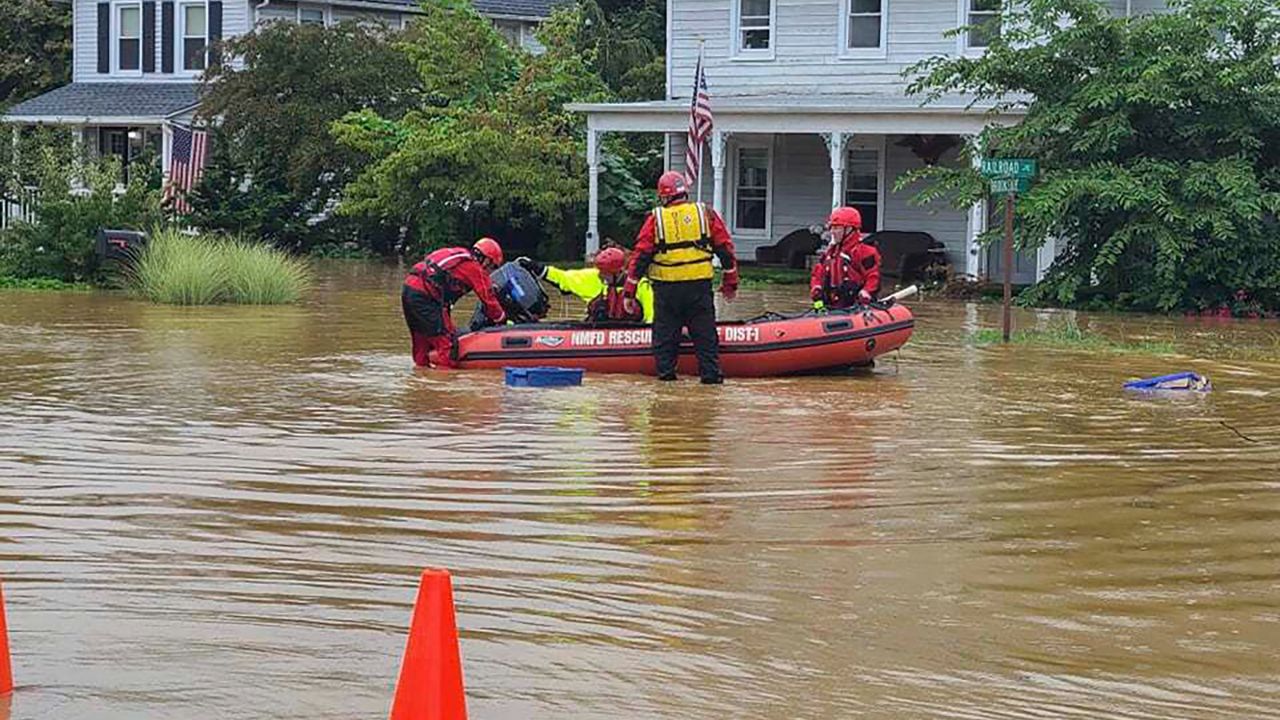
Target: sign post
pixel 1008 176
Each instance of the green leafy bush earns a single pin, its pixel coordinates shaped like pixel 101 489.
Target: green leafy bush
pixel 76 200
pixel 1159 142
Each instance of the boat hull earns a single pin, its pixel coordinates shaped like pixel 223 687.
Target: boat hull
pixel 769 346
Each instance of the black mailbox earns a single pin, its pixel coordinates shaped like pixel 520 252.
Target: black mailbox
pixel 119 245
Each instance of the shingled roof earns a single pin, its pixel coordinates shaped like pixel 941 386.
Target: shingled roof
pixel 538 9
pixel 126 101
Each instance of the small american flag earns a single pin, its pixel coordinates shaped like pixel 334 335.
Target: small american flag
pixel 186 165
pixel 700 123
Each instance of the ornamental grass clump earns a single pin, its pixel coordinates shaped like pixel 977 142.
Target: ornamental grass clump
pixel 177 268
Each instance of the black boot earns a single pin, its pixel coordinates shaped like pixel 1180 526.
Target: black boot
pixel 716 380
pixel 667 377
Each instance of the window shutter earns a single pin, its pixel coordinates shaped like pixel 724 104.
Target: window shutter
pixel 149 37
pixel 166 37
pixel 215 32
pixel 104 38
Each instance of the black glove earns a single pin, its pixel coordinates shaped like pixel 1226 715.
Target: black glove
pixel 533 266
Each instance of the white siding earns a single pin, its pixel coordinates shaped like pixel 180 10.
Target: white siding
pixel 806 58
pixel 802 183
pixel 945 223
pixel 235 21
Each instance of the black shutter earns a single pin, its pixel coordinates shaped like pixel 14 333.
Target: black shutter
pixel 166 37
pixel 104 38
pixel 148 37
pixel 215 32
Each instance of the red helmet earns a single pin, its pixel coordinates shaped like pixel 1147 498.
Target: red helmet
pixel 610 260
pixel 671 185
pixel 845 217
pixel 489 249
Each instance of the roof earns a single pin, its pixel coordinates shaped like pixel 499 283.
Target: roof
pixel 539 9
pixel 137 102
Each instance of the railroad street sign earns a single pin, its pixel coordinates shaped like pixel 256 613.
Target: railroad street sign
pixel 1008 168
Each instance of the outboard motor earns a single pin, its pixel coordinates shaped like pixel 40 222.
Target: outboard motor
pixel 519 293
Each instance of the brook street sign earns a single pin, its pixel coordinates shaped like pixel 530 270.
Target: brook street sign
pixel 1009 168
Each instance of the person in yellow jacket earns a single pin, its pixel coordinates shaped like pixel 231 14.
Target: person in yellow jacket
pixel 674 250
pixel 601 287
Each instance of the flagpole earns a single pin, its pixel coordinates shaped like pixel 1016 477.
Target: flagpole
pixel 697 85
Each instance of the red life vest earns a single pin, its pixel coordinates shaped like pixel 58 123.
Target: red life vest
pixel 608 305
pixel 848 267
pixel 435 271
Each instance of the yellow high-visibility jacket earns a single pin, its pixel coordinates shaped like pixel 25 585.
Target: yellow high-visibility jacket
pixel 586 284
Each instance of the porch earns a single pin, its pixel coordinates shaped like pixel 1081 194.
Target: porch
pixel 778 165
pixel 129 121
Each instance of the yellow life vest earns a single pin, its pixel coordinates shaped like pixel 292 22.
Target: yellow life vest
pixel 682 248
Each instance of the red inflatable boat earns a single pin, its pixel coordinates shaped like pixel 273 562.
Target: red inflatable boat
pixel 769 345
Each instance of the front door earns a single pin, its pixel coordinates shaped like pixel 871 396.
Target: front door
pixel 131 145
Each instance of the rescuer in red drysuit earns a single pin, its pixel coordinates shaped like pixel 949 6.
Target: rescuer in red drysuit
pixel 435 284
pixel 848 272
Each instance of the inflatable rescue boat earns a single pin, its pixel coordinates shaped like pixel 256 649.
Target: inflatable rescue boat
pixel 768 345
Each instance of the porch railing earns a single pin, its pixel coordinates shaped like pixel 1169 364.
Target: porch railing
pixel 18 206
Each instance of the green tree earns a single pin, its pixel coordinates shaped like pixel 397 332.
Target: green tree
pixel 275 170
pixel 504 140
pixel 35 48
pixel 1159 143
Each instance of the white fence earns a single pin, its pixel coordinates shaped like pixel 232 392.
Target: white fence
pixel 17 206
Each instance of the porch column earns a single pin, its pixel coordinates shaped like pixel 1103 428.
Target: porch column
pixel 593 191
pixel 1045 256
pixel 835 146
pixel 77 154
pixel 717 166
pixel 977 224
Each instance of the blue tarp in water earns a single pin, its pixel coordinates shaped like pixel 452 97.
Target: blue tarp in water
pixel 1188 381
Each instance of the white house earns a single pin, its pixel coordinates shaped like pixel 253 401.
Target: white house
pixel 811 112
pixel 136 64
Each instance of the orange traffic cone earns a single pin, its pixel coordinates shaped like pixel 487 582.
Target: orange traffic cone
pixel 6 671
pixel 430 685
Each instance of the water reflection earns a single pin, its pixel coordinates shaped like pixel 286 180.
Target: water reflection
pixel 222 512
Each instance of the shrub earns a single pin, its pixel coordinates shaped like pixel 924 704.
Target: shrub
pixel 60 243
pixel 180 269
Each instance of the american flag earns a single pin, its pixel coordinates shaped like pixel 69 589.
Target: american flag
pixel 699 124
pixel 186 165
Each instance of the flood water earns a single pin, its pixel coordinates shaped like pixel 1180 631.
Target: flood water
pixel 223 512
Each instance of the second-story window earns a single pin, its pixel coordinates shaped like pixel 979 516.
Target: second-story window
pixel 755 26
pixel 195 37
pixel 129 37
pixel 983 19
pixel 865 25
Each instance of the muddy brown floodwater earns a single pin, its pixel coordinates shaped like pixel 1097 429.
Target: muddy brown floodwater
pixel 222 513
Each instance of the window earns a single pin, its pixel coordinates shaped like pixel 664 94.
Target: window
pixel 308 15
pixel 754 21
pixel 862 186
pixel 983 17
pixel 751 208
pixel 129 37
pixel 864 27
pixel 509 30
pixel 195 37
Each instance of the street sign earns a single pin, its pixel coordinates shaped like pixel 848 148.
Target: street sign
pixel 1009 185
pixel 1008 168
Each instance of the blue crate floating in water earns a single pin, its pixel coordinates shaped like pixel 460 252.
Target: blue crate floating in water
pixel 1183 381
pixel 543 376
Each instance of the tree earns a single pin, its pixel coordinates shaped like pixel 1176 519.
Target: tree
pixel 35 48
pixel 275 170
pixel 1159 143
pixel 492 130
